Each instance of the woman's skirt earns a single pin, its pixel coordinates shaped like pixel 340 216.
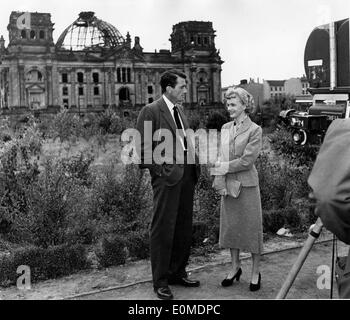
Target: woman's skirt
pixel 241 221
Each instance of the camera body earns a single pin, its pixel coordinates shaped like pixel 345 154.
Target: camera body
pixel 327 68
pixel 311 126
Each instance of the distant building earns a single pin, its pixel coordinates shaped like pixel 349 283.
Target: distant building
pixel 93 66
pixel 292 87
pixel 273 89
pixel 305 85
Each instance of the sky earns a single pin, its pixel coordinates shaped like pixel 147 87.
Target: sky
pixel 262 39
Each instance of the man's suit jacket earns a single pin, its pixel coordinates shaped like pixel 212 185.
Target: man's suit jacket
pixel 330 180
pixel 238 152
pixel 159 115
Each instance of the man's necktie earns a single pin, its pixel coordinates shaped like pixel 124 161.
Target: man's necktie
pixel 178 124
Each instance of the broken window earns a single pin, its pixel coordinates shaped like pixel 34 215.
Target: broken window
pixel 123 75
pixel 80 77
pixel 118 75
pixel 66 103
pixel 64 77
pixel 124 94
pixel 128 71
pixel 95 77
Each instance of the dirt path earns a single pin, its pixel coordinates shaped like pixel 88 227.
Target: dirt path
pixel 275 267
pixel 132 280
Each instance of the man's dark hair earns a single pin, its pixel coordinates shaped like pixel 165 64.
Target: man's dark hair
pixel 169 78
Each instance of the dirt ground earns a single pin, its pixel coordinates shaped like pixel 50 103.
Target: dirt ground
pixel 132 281
pixel 274 270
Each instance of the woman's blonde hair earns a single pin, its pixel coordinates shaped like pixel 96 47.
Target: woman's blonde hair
pixel 245 97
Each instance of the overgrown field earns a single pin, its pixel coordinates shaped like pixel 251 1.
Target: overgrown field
pixel 67 202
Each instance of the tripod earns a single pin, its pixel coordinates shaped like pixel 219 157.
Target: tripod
pixel 313 235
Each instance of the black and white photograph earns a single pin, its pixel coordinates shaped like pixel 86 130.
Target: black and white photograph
pixel 193 151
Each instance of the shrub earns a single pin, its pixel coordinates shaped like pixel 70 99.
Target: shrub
pixel 124 200
pixel 83 224
pixel 113 123
pixel 112 251
pixel 217 119
pixel 199 233
pixel 78 167
pixel 272 182
pixel 275 219
pixel 307 214
pixel 297 155
pixel 58 209
pixel 270 110
pixel 65 125
pixel 207 204
pixel 280 182
pixel 49 203
pixel 44 264
pixel 139 244
pixel 17 171
pixel 195 120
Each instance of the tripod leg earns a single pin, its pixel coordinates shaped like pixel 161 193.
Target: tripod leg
pixel 314 233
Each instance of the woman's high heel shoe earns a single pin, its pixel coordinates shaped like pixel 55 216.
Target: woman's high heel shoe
pixel 228 282
pixel 255 286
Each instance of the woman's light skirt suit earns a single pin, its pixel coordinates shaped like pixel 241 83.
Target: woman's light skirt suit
pixel 241 217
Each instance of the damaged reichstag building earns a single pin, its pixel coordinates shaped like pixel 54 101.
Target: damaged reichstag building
pixel 92 66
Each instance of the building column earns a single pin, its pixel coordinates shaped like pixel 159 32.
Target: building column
pixel 55 86
pixel 143 86
pixel 105 86
pixel 22 98
pixel 138 81
pixel 111 79
pixel 88 86
pixel 213 86
pixel 49 86
pixel 13 86
pixel 219 85
pixel 73 93
pixel 193 96
pixel 4 85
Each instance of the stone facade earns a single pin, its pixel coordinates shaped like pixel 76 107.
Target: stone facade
pixel 92 66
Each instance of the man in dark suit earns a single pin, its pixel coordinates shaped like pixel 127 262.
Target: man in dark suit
pixel 330 180
pixel 330 183
pixel 174 176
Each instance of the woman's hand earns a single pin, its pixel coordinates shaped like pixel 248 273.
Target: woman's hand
pixel 217 164
pixel 223 192
pixel 220 168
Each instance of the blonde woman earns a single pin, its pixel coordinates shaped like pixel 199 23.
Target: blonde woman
pixel 236 179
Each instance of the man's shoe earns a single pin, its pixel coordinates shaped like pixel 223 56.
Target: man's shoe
pixel 164 293
pixel 184 281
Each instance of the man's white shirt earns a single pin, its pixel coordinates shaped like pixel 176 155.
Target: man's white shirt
pixel 170 106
